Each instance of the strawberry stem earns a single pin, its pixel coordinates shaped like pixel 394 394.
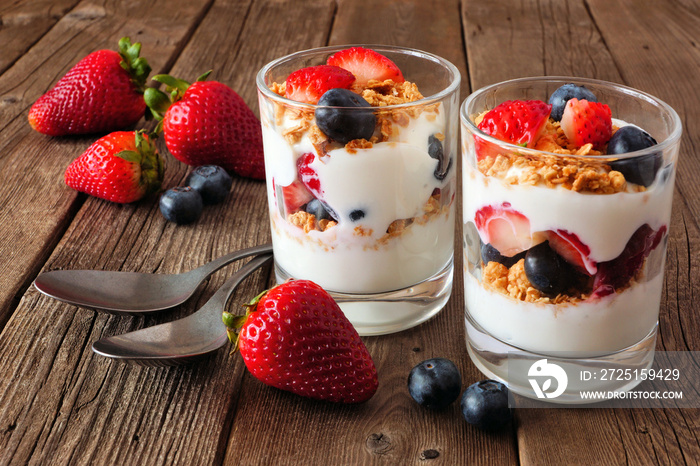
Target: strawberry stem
pixel 137 67
pixel 234 322
pixel 149 161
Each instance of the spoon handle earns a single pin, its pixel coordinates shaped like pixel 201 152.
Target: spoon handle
pixel 209 268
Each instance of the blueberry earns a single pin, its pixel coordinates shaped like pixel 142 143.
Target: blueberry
pixel 436 151
pixel 491 254
pixel 485 405
pixel 320 210
pixel 211 182
pixel 546 270
pixel 561 96
pixel 344 124
pixel 357 214
pixel 181 205
pixel 435 383
pixel 639 170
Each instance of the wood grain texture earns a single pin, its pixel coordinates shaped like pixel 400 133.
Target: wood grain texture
pixel 612 41
pixel 61 404
pixel 390 428
pixel 22 23
pixel 36 218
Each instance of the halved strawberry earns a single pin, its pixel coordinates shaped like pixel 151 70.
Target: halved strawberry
pixel 518 122
pixel 572 250
pixel 586 122
pixel 309 84
pixel 366 64
pixel 505 229
pixel 308 175
pixel 295 196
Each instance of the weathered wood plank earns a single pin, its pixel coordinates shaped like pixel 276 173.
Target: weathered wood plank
pixel 611 41
pixel 69 403
pixel 22 23
pixel 35 217
pixel 98 410
pixel 390 428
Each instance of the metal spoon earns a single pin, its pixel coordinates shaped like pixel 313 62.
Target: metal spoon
pixel 183 340
pixel 132 292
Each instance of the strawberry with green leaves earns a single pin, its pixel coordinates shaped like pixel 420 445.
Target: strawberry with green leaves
pixel 296 338
pixel 208 123
pixel 102 92
pixel 122 167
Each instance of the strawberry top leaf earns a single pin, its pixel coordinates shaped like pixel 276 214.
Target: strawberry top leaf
pixel 137 67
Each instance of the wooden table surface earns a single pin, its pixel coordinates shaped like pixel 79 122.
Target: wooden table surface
pixel 62 404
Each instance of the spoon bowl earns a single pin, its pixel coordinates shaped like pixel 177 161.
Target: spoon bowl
pixel 184 340
pixel 132 292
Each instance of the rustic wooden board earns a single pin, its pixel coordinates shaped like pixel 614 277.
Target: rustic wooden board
pixel 61 404
pixel 36 218
pixel 390 428
pixel 612 43
pixel 70 401
pixel 25 22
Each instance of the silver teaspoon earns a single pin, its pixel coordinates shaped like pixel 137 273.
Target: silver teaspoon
pixel 183 340
pixel 132 292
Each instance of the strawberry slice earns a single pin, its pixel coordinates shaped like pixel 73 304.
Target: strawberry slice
pixel 505 229
pixel 308 175
pixel 572 250
pixel 519 122
pixel 295 196
pixel 366 64
pixel 309 84
pixel 586 122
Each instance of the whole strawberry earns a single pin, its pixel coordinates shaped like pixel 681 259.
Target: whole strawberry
pixel 102 92
pixel 296 338
pixel 121 167
pixel 208 123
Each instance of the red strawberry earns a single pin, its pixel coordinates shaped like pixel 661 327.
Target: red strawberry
pixel 366 64
pixel 295 196
pixel 308 175
pixel 519 122
pixel 208 124
pixel 505 229
pixel 618 272
pixel 122 167
pixel 572 250
pixel 102 92
pixel 309 84
pixel 586 122
pixel 296 338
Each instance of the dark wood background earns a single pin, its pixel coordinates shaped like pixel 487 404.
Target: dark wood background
pixel 62 404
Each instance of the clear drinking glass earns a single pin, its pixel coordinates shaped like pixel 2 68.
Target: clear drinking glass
pixel 612 230
pixel 385 250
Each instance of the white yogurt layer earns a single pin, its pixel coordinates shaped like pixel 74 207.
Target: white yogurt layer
pixel 390 181
pixel 603 326
pixel 604 222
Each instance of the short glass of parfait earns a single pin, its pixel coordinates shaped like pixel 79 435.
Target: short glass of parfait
pixel 360 156
pixel 567 192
